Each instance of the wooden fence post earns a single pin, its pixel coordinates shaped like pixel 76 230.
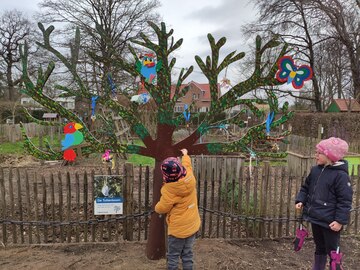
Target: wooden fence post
pixel 128 201
pixel 3 206
pixel 264 197
pixel 320 132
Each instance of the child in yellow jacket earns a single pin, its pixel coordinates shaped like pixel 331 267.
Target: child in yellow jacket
pixel 179 201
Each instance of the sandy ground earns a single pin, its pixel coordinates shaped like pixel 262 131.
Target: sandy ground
pixel 209 254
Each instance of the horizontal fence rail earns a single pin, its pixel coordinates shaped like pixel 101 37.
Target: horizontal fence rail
pixel 42 205
pixel 239 201
pixel 59 207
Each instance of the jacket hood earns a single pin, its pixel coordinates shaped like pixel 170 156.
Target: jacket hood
pixel 341 165
pixel 183 187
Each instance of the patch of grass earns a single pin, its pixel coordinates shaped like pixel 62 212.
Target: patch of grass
pixel 138 159
pixel 12 148
pixel 18 147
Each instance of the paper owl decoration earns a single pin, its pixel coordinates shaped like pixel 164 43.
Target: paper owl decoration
pixel 148 67
pixel 290 73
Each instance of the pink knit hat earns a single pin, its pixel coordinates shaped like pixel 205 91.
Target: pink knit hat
pixel 334 148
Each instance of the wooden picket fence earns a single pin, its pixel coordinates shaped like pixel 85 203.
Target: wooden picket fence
pixel 306 145
pixel 55 205
pixel 12 132
pixel 239 201
pixel 301 151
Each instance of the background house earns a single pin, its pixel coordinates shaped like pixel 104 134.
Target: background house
pixel 344 105
pixel 51 117
pixel 67 102
pixel 198 97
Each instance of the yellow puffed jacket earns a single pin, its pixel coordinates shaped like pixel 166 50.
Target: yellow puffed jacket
pixel 179 201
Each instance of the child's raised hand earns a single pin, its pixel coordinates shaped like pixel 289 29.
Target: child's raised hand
pixel 184 151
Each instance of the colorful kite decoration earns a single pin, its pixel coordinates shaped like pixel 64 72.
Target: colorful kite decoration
pixel 148 67
pixel 93 106
pixel 290 73
pixel 141 99
pixel 186 113
pixel 72 137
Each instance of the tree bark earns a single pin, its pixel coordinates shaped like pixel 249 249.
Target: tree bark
pixel 155 246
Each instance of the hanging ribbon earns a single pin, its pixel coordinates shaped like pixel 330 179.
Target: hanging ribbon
pixel 269 120
pixel 112 86
pixel 93 106
pixel 252 156
pixel 186 113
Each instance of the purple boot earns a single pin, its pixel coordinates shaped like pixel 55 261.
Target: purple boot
pixel 320 262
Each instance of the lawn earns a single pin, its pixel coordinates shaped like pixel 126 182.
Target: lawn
pixel 17 148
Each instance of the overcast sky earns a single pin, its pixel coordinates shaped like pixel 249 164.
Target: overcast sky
pixel 191 20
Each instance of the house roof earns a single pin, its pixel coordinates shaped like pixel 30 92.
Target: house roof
pixel 205 87
pixel 264 107
pixel 343 104
pixel 50 115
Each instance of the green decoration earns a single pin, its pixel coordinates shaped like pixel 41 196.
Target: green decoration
pixel 160 144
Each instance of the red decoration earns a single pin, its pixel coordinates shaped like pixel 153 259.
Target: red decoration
pixel 69 155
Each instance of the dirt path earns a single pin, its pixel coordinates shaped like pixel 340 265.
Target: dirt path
pixel 209 254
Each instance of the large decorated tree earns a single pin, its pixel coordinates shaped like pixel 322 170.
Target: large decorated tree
pixel 162 144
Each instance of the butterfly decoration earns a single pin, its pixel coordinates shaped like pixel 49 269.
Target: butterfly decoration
pixel 291 73
pixel 186 113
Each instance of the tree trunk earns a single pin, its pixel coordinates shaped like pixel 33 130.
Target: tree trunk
pixel 317 97
pixel 10 83
pixel 355 71
pixel 155 246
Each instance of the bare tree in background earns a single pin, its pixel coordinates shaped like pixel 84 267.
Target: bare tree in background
pixel 333 71
pixel 293 21
pixel 344 18
pixel 14 30
pixel 120 21
pixel 305 25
